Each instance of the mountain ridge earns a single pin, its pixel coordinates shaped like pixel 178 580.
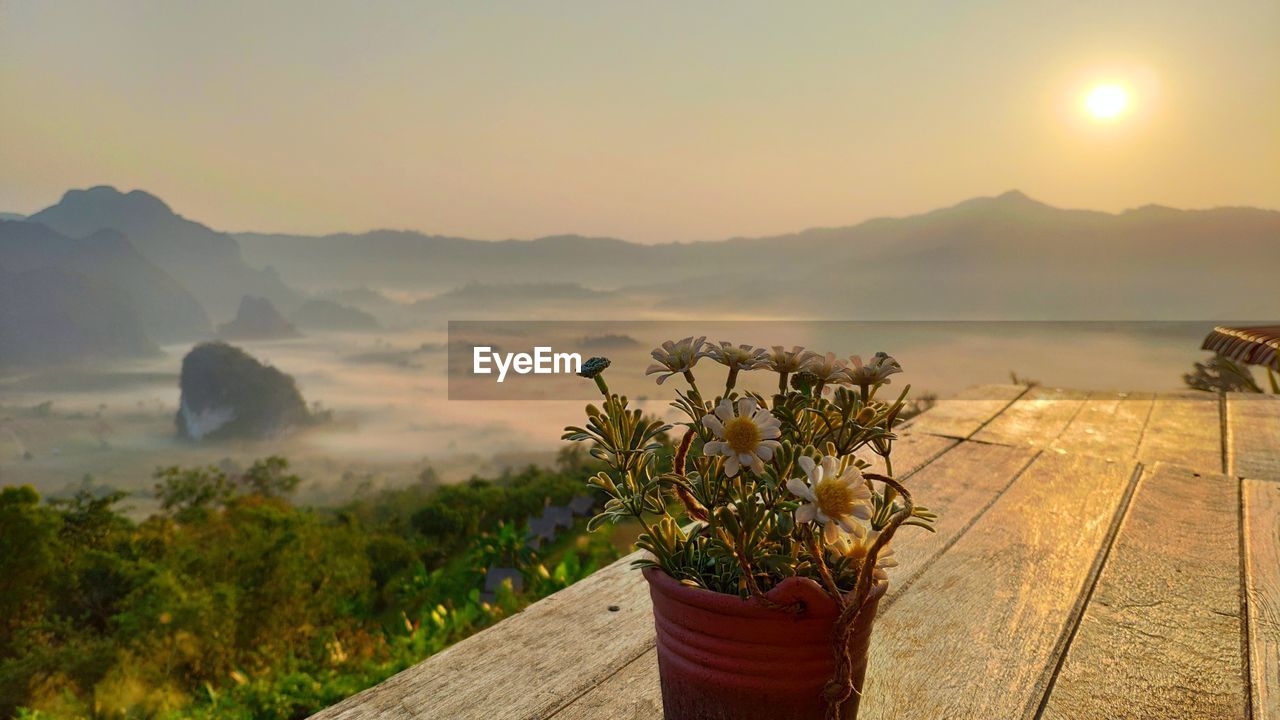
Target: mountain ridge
pixel 207 262
pixel 166 310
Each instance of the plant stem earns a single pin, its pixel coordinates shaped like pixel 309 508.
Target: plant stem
pixel 889 493
pixel 840 687
pixel 693 385
pixel 815 547
pixel 730 381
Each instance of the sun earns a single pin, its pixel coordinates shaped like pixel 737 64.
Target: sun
pixel 1107 102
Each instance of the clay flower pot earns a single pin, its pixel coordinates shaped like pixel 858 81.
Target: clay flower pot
pixel 724 658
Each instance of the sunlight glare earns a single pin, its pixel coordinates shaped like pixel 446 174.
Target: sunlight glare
pixel 1106 102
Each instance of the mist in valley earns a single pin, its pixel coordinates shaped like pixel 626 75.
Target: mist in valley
pixel 89 365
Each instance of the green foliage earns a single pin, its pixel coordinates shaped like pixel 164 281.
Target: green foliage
pixel 233 603
pixel 455 514
pixel 505 547
pixel 1222 374
pixel 722 513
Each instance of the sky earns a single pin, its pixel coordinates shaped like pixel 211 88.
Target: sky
pixel 652 121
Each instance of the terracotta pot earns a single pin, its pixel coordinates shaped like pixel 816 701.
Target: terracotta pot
pixel 724 658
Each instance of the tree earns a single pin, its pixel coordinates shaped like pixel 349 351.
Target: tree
pixel 188 493
pixel 267 478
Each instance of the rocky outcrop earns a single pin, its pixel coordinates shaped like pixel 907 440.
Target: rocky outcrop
pixel 226 393
pixel 257 319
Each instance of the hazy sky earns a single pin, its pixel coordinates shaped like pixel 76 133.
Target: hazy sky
pixel 645 120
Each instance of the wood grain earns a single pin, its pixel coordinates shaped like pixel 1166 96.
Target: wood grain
pixel 1035 419
pixel 1108 425
pixel 1262 584
pixel 526 666
pixel 959 487
pixel 1161 636
pixel 633 693
pixel 1185 429
pixel 910 452
pixel 977 634
pixel 1253 436
pixel 964 414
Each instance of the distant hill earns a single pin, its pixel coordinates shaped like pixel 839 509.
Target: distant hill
pixel 363 298
pixel 332 315
pixel 1004 257
pixel 206 262
pixel 53 315
pixel 11 216
pixel 411 260
pixel 527 300
pixel 257 319
pixel 167 312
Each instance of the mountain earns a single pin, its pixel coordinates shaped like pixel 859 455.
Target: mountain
pixel 514 301
pixel 257 319
pixel 410 260
pixel 206 262
pixel 362 298
pixel 53 315
pixel 332 315
pixel 167 312
pixel 1003 257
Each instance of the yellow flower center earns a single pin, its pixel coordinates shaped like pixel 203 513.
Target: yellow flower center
pixel 835 499
pixel 742 435
pixel 857 549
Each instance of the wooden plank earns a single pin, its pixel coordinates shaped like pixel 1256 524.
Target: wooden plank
pixel 633 693
pixel 1108 425
pixel 1161 636
pixel 1185 429
pixel 1036 419
pixel 978 633
pixel 1262 585
pixel 526 666
pixel 962 415
pixel 959 486
pixel 910 453
pixel 1253 436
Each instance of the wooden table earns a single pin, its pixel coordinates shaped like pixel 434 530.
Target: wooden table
pixel 1098 556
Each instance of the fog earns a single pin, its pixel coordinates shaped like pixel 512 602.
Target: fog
pixel 389 394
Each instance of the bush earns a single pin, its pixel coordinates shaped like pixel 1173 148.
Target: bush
pixel 234 603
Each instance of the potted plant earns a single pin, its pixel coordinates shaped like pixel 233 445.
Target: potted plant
pixel 767 537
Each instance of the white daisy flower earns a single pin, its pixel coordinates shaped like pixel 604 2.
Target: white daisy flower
pixel 834 498
pixel 857 546
pixel 876 372
pixel 829 369
pixel 790 361
pixel 748 438
pixel 675 358
pixel 738 357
